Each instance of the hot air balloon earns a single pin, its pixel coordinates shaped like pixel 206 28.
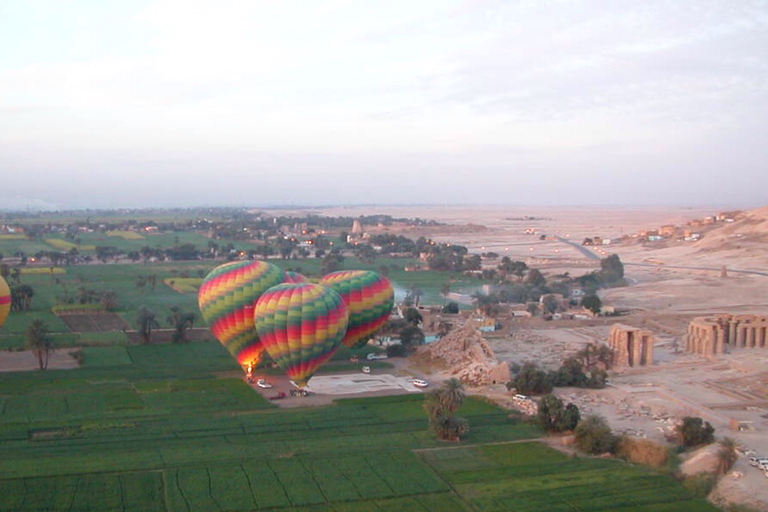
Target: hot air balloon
pixel 227 297
pixel 5 300
pixel 294 277
pixel 300 325
pixel 369 296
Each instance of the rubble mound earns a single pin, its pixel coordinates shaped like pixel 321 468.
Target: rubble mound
pixel 466 355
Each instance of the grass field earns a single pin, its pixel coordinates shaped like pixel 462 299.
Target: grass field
pixel 66 245
pixel 127 235
pixel 186 276
pixel 174 428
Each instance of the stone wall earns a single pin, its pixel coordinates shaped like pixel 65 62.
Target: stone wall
pixel 709 335
pixel 631 346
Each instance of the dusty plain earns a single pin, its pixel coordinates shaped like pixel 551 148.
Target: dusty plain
pixel 670 283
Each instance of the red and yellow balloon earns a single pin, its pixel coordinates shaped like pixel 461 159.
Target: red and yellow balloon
pixel 5 301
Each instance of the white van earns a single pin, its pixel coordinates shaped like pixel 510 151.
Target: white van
pixel 521 397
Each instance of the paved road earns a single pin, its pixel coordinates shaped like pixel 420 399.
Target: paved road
pixel 586 252
pixel 592 256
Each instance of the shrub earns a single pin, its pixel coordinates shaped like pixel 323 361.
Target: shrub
pixel 532 381
pixel 593 435
pixel 397 350
pixel 695 431
pixel 642 451
pixel 555 417
pixel 451 308
pixel 701 484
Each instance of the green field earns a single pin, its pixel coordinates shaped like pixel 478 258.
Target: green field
pixel 122 278
pixel 174 428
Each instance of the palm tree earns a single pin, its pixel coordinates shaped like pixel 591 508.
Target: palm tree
pixel 146 320
pixel 445 290
pixel 180 321
pixel 452 395
pixel 440 404
pixel 727 454
pixel 39 342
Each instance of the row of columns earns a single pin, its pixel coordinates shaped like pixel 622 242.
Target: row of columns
pixel 708 336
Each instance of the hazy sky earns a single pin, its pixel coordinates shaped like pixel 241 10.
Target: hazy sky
pixel 265 102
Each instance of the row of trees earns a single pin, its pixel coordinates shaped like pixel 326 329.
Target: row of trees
pixel 179 320
pixel 586 369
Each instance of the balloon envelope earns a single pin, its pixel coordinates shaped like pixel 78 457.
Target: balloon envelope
pixel 227 297
pixel 5 300
pixel 369 297
pixel 300 325
pixel 295 277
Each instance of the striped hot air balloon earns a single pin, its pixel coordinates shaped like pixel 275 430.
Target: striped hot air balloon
pixel 5 300
pixel 227 297
pixel 369 297
pixel 300 325
pixel 295 277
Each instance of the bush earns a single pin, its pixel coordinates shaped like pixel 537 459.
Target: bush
pixel 695 431
pixel 642 451
pixel 701 484
pixel 397 350
pixel 555 417
pixel 593 435
pixel 451 308
pixel 532 381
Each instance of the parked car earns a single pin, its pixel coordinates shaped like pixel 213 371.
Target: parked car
pixel 263 384
pixel 374 356
pixel 419 383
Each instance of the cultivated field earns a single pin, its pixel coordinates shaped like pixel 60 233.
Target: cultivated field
pixel 175 428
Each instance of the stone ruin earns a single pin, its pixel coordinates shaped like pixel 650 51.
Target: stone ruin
pixel 708 335
pixel 631 346
pixel 466 355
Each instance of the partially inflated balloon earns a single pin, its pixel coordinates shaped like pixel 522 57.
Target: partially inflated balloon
pixel 227 297
pixel 300 325
pixel 5 300
pixel 369 297
pixel 294 277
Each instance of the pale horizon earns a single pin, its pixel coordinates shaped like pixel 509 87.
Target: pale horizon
pixel 164 103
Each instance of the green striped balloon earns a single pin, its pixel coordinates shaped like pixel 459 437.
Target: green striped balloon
pixel 300 325
pixel 227 297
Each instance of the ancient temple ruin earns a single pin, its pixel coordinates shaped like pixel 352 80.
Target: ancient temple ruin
pixel 631 346
pixel 708 335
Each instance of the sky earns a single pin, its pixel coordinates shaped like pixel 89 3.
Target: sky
pixel 174 103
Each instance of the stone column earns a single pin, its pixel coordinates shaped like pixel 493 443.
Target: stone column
pixel 649 351
pixel 740 336
pixel 732 333
pixel 720 337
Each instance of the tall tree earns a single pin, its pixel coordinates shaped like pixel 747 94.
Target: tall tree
pixel 39 341
pixel 180 321
pixel 440 404
pixel 146 320
pixel 452 395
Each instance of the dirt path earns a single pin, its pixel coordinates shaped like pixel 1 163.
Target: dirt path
pixel 24 361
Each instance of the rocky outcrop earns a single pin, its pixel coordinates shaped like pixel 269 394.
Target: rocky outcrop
pixel 466 355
